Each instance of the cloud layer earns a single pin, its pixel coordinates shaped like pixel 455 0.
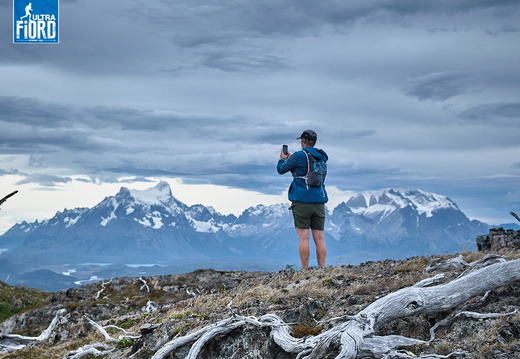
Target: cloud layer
pixel 402 94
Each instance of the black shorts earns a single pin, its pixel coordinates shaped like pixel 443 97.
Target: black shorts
pixel 309 215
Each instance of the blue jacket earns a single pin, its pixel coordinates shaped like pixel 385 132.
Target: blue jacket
pixel 297 164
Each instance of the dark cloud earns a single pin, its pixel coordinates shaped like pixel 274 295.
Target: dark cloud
pixel 31 125
pixel 84 180
pixel 229 35
pixel 292 18
pixel 37 161
pixel 26 139
pixel 503 29
pixel 438 86
pixel 136 179
pixel 11 171
pixel 506 112
pixel 245 63
pixel 31 111
pixel 104 142
pixel 241 35
pixel 44 180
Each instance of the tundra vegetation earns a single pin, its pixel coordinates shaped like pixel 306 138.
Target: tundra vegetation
pixel 431 307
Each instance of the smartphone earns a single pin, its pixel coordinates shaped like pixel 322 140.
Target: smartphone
pixel 285 149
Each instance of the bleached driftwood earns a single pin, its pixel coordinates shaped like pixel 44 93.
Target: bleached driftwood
pixel 459 262
pixel 89 349
pixel 145 285
pixel 94 349
pixel 357 336
pixel 150 307
pixel 107 336
pixel 96 296
pixel 16 341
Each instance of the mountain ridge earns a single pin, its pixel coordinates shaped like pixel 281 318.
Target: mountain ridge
pixel 152 227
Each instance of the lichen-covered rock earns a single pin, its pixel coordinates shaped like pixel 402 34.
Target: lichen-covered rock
pixel 499 239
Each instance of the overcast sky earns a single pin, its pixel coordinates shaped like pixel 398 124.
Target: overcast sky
pixel 407 94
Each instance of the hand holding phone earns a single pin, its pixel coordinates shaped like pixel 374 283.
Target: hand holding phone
pixel 284 153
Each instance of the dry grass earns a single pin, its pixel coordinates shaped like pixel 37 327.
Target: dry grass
pixel 306 329
pixel 51 351
pixel 305 297
pixel 207 303
pixel 258 292
pixel 414 265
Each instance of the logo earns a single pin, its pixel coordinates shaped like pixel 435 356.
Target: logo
pixel 35 21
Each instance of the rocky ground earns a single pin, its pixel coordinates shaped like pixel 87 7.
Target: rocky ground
pixel 157 309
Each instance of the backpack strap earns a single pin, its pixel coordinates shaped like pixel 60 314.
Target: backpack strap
pixel 307 154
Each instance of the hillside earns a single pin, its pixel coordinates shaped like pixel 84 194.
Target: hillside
pixel 15 299
pixel 159 308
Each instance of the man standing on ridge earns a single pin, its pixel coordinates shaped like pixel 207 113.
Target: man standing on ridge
pixel 308 203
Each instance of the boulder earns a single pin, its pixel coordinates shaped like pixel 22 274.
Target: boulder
pixel 498 239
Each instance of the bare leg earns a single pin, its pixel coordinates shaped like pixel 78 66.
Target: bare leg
pixel 303 247
pixel 321 248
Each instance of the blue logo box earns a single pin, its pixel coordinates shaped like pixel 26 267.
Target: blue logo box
pixel 35 21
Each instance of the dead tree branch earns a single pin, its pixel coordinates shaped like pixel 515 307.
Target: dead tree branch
pixel 16 341
pixel 96 296
pixel 459 262
pixel 90 349
pixel 7 197
pixel 107 336
pixel 94 349
pixel 145 285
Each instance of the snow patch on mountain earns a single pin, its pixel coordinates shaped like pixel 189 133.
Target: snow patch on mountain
pixel 70 221
pixel 426 202
pixel 105 221
pixel 378 209
pixel 112 215
pixel 205 227
pixel 154 221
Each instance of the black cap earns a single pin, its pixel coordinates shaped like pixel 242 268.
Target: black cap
pixel 309 135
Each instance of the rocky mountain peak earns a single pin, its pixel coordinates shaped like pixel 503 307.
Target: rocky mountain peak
pixel 161 194
pixel 390 199
pixel 266 213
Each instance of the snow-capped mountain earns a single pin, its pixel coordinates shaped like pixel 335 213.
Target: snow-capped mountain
pixel 411 222
pixel 133 226
pixel 153 227
pixel 379 203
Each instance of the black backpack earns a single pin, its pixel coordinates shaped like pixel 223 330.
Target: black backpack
pixel 317 171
